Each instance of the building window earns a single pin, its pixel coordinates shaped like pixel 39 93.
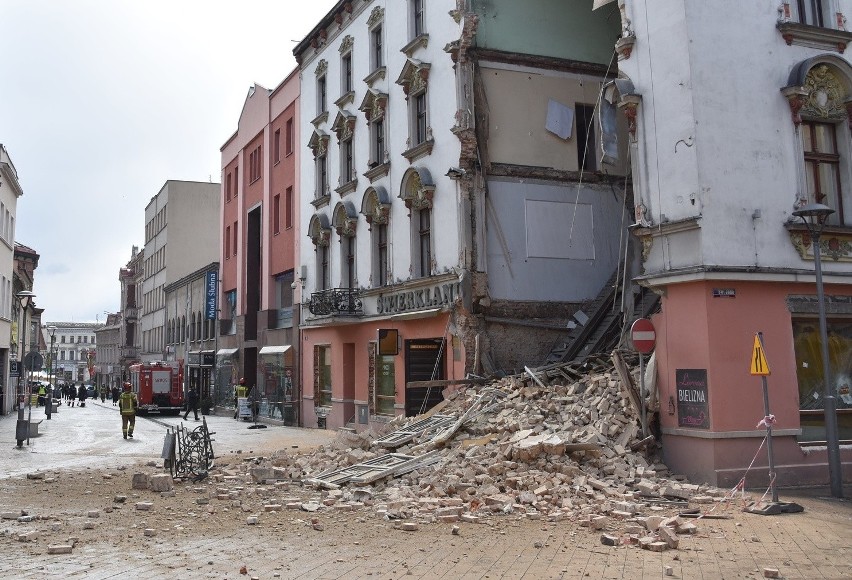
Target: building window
pixel 822 167
pixel 255 164
pixel 811 12
pixel 809 371
pixel 234 231
pixel 417 18
pixel 236 181
pixel 346 73
pixel 321 95
pixel 377 135
pixel 424 237
pixel 288 208
pixel 380 235
pixel 322 376
pixel 288 138
pixel 347 247
pixel 276 214
pixel 586 152
pixel 376 49
pixel 322 176
pixel 276 149
pixel 419 120
pixel 347 162
pixel 323 269
pixel 284 289
pixel 227 242
pixel 228 187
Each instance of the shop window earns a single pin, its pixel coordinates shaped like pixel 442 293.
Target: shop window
pixel 809 372
pixel 322 376
pixel 385 385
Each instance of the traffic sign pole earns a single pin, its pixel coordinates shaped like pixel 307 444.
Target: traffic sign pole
pixel 644 337
pixel 760 364
pixel 642 395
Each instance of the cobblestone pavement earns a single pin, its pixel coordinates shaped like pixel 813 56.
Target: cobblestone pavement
pixel 216 541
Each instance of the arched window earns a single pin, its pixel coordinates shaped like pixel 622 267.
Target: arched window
pixel 376 207
pixel 820 98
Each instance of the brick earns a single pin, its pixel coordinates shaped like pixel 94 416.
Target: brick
pixel 609 540
pixel 59 549
pixel 150 532
pixel 409 526
pixel 669 536
pixel 771 573
pixel 144 506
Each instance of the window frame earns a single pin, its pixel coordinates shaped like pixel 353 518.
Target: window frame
pixel 289 138
pixel 816 159
pixel 587 138
pixel 377 141
pixel 322 94
pixel 288 208
pixel 418 18
pixel 321 170
pixel 381 253
pixel 347 81
pixel 276 149
pixel 420 118
pixel 377 47
pixel 276 214
pixel 323 390
pixel 424 239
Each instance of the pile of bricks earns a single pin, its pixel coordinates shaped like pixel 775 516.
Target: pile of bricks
pixel 555 452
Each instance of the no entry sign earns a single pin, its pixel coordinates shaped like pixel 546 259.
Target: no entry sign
pixel 643 335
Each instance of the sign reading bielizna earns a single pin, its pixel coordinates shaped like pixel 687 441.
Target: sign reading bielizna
pixel 693 406
pixel 421 298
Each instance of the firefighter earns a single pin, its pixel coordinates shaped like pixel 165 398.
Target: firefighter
pixel 240 391
pixel 127 405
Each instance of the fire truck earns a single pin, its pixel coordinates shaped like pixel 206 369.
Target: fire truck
pixel 158 387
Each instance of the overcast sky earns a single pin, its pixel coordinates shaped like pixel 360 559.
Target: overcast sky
pixel 102 101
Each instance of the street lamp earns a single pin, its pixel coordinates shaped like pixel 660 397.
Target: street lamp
pixel 813 216
pixel 23 427
pixel 51 378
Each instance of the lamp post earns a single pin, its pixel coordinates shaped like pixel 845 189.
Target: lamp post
pixel 813 216
pixel 22 430
pixel 52 374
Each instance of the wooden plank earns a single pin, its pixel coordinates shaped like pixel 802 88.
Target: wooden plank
pixel 627 381
pixel 446 383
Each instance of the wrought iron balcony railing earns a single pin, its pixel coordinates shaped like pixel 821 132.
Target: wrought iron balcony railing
pixel 338 301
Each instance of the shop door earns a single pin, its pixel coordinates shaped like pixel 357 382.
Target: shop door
pixel 424 361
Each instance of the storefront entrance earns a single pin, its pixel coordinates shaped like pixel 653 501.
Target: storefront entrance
pixel 424 361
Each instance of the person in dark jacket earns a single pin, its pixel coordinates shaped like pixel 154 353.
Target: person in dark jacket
pixel 191 403
pixel 81 395
pixel 116 393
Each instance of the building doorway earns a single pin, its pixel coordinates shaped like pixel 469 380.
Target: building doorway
pixel 424 361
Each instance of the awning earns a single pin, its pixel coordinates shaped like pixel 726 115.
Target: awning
pixel 226 351
pixel 275 349
pixel 598 3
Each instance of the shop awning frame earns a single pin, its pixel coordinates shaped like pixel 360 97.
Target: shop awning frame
pixel 275 349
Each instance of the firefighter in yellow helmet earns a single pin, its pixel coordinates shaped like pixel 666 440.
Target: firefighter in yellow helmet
pixel 127 404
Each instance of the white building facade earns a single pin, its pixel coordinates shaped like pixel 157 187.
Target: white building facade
pixel 743 114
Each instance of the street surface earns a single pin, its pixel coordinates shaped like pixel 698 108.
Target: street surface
pixel 203 529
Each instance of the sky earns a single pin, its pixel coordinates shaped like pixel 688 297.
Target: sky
pixel 103 101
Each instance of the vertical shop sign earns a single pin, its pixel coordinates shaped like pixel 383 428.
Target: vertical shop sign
pixel 693 406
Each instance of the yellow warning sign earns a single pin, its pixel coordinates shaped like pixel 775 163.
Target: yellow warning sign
pixel 759 366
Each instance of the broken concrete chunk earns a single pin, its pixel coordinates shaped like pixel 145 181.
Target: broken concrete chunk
pixel 140 481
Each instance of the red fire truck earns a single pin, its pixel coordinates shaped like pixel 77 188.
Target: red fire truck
pixel 158 386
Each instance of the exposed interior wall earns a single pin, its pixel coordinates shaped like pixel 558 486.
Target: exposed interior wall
pixel 556 28
pixel 517 104
pixel 551 241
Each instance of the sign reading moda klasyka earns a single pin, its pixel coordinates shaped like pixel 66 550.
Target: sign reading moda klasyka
pixel 693 405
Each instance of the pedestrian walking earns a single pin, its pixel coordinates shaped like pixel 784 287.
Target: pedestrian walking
pixel 127 404
pixel 115 394
pixel 81 395
pixel 103 393
pixel 191 403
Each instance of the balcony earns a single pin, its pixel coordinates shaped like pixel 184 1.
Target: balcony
pixel 336 301
pixel 131 313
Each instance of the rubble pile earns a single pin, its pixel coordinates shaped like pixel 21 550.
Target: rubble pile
pixel 571 451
